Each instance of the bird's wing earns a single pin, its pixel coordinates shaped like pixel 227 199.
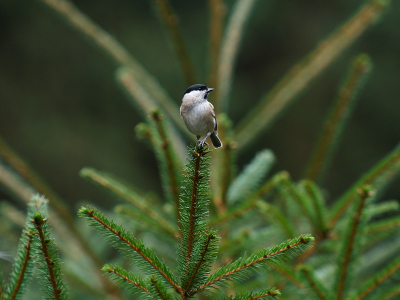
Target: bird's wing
pixel 216 124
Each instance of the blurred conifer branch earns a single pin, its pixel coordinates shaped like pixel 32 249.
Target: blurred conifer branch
pixel 378 178
pixel 342 278
pixel 217 16
pixel 145 102
pixel 315 285
pixel 28 184
pixel 229 50
pixel 70 13
pixel 170 20
pixel 123 191
pixel 328 140
pixel 304 72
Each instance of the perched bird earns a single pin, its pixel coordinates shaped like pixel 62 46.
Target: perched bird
pixel 198 114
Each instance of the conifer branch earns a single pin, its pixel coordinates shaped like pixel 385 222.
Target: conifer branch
pixel 210 237
pixel 222 166
pixel 192 210
pixel 390 294
pixel 302 74
pixel 382 226
pixel 142 99
pixel 273 211
pixel 378 177
pixel 172 167
pixel 22 275
pixel 315 284
pixel 145 221
pixel 170 21
pixel 125 242
pixel 290 191
pixel 229 49
pixel 52 263
pixel 289 275
pixel 99 37
pixel 289 248
pixel 217 14
pixel 123 191
pixel 13 183
pixel 267 294
pixel 251 202
pixel 57 203
pixel 133 283
pixel 378 279
pixel 338 115
pixel 318 202
pixel 364 193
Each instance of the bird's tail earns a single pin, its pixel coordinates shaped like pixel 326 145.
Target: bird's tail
pixel 215 141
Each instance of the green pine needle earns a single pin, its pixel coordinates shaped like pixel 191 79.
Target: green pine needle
pixel 252 175
pixel 197 245
pixel 21 274
pixel 134 284
pixel 128 245
pixel 48 259
pixel 244 267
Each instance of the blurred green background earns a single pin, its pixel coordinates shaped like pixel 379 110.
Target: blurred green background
pixel 61 109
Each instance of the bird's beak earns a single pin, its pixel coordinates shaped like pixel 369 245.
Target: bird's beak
pixel 210 90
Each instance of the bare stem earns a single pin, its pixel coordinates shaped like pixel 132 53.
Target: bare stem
pixel 307 70
pixel 24 266
pixel 170 20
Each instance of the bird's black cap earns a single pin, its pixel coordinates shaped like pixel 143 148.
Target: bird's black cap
pixel 196 87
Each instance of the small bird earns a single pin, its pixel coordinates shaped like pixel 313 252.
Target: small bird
pixel 198 114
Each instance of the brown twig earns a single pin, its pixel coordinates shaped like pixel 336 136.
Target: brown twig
pixel 170 20
pixel 24 266
pixel 137 250
pixel 39 226
pixel 364 193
